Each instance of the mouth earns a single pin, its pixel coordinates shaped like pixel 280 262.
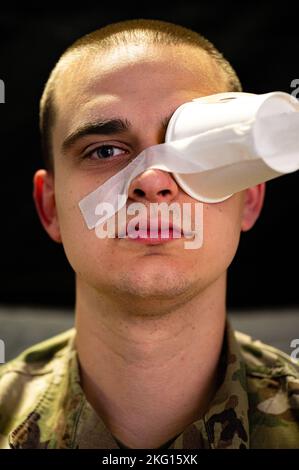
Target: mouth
pixel 157 235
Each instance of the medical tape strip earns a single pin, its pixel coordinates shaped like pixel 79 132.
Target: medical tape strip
pixel 225 160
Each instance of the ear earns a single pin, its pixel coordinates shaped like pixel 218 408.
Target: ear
pixel 44 199
pixel 253 203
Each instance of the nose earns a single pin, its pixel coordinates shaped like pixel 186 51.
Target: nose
pixel 153 186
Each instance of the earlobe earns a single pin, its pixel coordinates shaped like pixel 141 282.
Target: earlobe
pixel 44 199
pixel 254 199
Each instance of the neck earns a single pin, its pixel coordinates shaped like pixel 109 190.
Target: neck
pixel 149 374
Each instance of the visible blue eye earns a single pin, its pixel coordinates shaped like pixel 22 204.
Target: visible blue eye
pixel 104 152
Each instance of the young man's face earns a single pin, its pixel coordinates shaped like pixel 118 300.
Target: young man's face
pixel 141 85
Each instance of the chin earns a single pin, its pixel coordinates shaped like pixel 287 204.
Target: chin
pixel 152 283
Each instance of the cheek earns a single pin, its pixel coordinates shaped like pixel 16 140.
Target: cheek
pixel 87 254
pixel 221 231
pixel 80 244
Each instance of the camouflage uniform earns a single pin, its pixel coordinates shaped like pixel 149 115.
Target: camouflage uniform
pixel 42 404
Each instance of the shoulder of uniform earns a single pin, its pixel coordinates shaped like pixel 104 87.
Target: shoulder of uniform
pixel 37 357
pixel 264 360
pixel 272 385
pixel 25 380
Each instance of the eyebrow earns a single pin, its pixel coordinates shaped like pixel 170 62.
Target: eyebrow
pixel 106 127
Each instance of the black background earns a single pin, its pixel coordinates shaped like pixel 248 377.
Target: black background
pixel 262 43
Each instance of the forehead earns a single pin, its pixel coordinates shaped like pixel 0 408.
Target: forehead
pixel 132 79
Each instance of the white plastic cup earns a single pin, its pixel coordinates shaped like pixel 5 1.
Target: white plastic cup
pixel 264 152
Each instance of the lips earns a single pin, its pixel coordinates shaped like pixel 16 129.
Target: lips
pixel 158 234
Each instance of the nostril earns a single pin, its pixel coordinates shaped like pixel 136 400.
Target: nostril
pixel 139 192
pixel 164 192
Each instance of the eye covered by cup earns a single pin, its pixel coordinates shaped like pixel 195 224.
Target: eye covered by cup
pixel 253 128
pixel 214 147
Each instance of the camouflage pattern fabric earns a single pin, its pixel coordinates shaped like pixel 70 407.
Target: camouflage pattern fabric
pixel 42 404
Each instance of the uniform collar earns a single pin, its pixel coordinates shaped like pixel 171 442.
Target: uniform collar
pixel 63 418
